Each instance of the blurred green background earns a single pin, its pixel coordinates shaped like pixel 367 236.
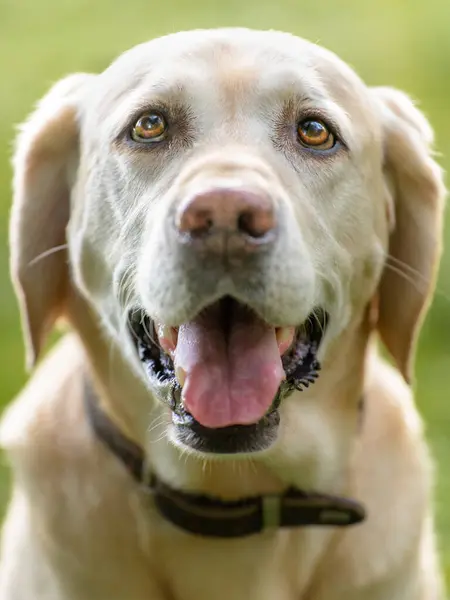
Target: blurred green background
pixel 391 42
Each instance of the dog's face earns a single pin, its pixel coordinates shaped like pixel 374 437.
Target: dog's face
pixel 234 196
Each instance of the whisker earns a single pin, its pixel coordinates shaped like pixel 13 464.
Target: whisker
pixel 47 253
pixel 159 422
pixel 419 286
pixel 128 322
pixel 124 287
pixel 160 439
pixel 252 464
pixel 318 321
pixel 408 273
pixel 404 265
pixel 150 336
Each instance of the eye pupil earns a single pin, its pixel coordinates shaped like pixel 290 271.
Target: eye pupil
pixel 151 122
pixel 150 127
pixel 313 129
pixel 315 133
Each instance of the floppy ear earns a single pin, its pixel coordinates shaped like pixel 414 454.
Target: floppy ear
pixel 416 183
pixel 45 163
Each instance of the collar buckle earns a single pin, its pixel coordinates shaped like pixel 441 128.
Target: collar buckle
pixel 271 511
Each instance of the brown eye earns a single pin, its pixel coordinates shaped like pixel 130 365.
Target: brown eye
pixel 315 134
pixel 149 128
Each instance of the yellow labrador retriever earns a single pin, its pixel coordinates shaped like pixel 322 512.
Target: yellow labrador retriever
pixel 226 219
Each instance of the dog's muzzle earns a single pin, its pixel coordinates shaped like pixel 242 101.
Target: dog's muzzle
pixel 223 324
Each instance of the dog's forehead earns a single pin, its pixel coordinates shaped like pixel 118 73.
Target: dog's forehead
pixel 212 47
pixel 233 60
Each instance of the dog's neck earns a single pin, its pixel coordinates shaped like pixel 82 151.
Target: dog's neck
pixel 300 457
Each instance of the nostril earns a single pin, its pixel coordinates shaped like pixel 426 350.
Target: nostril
pixel 196 222
pixel 255 224
pixel 225 213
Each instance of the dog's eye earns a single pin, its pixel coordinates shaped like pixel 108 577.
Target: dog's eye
pixel 150 127
pixel 315 134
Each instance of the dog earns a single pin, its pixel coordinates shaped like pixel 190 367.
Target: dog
pixel 227 222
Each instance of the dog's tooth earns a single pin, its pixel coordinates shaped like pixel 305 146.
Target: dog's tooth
pixel 285 337
pixel 167 337
pixel 180 374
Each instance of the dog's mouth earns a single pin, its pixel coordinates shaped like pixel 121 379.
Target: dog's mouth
pixel 225 373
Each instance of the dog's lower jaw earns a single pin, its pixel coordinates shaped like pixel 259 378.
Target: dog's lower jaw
pixel 225 476
pixel 308 454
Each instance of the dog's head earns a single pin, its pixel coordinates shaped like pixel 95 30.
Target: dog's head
pixel 232 202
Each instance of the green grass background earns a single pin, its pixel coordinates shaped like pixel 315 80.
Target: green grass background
pixel 390 42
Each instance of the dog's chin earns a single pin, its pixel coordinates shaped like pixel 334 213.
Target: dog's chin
pixel 188 433
pixel 157 348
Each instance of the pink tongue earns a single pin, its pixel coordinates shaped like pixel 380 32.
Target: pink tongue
pixel 231 379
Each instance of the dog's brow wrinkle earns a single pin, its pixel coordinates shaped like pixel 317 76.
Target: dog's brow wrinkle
pixel 157 96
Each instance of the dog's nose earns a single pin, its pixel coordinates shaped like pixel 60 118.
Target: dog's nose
pixel 230 213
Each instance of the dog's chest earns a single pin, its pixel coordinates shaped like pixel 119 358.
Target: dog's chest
pixel 180 567
pixel 274 566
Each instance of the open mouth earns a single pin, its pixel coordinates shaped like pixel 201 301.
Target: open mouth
pixel 225 373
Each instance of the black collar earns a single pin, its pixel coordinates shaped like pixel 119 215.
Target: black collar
pixel 208 516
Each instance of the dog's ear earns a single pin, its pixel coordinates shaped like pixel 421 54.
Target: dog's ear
pixel 415 183
pixel 45 164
